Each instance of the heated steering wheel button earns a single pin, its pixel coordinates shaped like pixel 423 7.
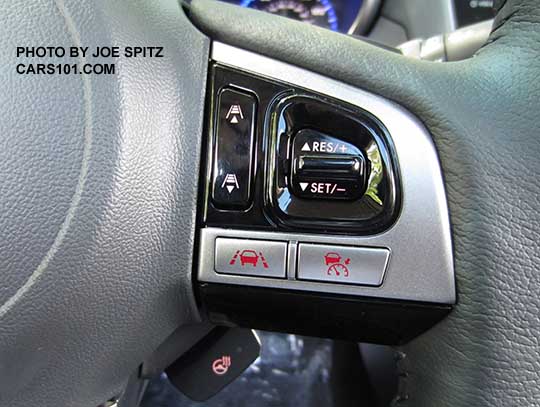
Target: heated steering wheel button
pixel 342 264
pixel 214 362
pixel 251 257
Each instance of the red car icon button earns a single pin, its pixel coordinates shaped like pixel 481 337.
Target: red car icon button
pixel 249 257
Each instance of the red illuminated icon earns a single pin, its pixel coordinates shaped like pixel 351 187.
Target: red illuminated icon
pixel 336 265
pixel 332 258
pixel 221 365
pixel 249 257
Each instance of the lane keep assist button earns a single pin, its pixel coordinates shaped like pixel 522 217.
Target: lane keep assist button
pixel 260 258
pixel 342 264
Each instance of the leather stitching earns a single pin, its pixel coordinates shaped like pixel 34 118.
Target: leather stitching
pixel 402 394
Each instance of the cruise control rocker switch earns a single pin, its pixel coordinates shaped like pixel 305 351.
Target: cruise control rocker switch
pixel 328 176
pixel 330 167
pixel 326 167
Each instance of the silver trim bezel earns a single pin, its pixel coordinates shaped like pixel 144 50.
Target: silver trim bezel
pixel 421 262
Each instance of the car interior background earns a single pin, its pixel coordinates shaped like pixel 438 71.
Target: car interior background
pixel 269 202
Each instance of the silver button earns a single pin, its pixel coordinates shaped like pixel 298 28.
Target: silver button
pixel 342 264
pixel 251 257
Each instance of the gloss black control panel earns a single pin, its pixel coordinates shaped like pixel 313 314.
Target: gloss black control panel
pixel 285 158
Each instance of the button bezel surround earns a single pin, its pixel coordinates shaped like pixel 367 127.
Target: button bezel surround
pixel 421 266
pixel 405 277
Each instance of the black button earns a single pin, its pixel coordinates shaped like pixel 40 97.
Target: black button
pixel 233 150
pixel 322 165
pixel 326 167
pixel 214 362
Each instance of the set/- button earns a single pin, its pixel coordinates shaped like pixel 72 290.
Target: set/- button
pixel 345 189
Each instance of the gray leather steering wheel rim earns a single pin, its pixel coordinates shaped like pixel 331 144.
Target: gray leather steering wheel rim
pixel 99 194
pixel 118 282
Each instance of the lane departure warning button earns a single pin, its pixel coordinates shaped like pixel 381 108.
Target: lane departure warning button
pixel 250 257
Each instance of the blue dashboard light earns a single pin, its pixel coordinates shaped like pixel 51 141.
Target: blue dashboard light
pixel 332 18
pixel 330 10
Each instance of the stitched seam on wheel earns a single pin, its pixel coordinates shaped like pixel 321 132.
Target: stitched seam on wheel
pixel 496 26
pixel 503 21
pixel 501 4
pixel 402 394
pixel 76 198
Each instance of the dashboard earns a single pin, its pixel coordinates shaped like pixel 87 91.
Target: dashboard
pixel 345 16
pixel 389 22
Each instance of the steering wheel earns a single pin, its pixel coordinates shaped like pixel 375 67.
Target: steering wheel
pixel 99 191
